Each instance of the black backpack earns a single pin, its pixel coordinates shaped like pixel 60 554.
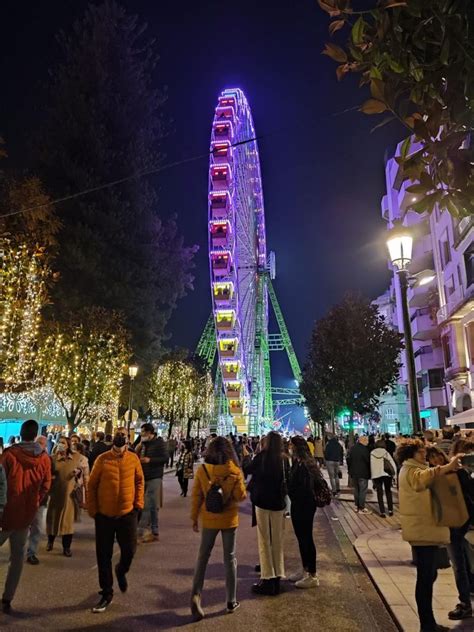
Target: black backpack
pixel 215 496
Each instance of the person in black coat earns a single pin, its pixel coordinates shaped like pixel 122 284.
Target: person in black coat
pixel 358 463
pixel 334 456
pixel 98 448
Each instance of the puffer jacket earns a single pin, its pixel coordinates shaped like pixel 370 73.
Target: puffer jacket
pixel 377 464
pixel 28 472
pixel 116 484
pixel 230 477
pixel 416 512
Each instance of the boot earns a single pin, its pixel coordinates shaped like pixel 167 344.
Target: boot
pixel 264 587
pixel 276 585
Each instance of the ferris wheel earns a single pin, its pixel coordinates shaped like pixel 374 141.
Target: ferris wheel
pixel 241 270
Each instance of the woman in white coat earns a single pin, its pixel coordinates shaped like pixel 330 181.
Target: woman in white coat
pixel 382 471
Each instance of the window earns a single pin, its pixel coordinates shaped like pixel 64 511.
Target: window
pixel 424 381
pixel 449 286
pixel 469 263
pixel 389 413
pixel 470 340
pixel 436 378
pixel 446 351
pixel 445 249
pixel 460 275
pixel 419 382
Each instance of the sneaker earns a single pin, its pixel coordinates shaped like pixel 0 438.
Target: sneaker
pixel 295 577
pixel 264 587
pixel 383 516
pixel 461 611
pixel 390 513
pixel 6 606
pixel 149 537
pixel 196 609
pixel 156 537
pixel 67 553
pixel 102 605
pixel 365 511
pixel 356 509
pixel 232 606
pixel 308 581
pixel 257 568
pixel 33 560
pixel 121 579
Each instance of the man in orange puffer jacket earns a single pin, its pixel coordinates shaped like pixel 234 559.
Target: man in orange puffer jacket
pixel 116 496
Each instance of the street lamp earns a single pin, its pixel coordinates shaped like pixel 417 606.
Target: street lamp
pixel 400 245
pixel 132 372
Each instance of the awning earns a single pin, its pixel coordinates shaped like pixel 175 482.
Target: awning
pixel 464 419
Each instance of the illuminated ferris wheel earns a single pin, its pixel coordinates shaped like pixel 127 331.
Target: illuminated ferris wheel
pixel 241 272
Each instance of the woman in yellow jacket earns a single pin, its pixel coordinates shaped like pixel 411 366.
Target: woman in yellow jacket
pixel 220 468
pixel 419 527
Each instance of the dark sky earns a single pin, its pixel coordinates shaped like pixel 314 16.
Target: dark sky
pixel 323 172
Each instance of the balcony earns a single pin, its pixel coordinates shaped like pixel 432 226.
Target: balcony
pixel 428 357
pixel 459 304
pixel 423 327
pixel 434 397
pixel 422 255
pixel 419 295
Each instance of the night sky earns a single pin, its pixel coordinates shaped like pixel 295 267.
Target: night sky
pixel 323 172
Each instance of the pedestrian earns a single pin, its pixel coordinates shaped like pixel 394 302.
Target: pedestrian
pixel 310 441
pixel 99 447
pixel 358 463
pixel 446 442
pixel 153 455
pixel 419 526
pixel 390 445
pixel 116 496
pixel 37 526
pixel 301 489
pixel 185 467
pixel 382 471
pixel 172 443
pixel 60 515
pixel 268 490
pixel 220 473
pixel 334 456
pixel 28 474
pixel 319 451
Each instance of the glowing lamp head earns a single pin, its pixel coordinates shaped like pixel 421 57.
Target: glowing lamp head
pixel 132 371
pixel 400 246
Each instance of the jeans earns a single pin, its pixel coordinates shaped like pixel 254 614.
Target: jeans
pixel 150 510
pixel 17 555
pixel 302 517
pixel 384 482
pixel 36 529
pixel 360 491
pixel 208 539
pixel 270 533
pixel 333 471
pixel 458 560
pixel 106 529
pixel 426 574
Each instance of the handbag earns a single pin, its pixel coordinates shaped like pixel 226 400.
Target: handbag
pixel 388 467
pixel 322 493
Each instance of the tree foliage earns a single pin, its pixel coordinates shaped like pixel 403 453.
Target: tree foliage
pixel 417 58
pixel 353 359
pixel 84 362
pixel 104 122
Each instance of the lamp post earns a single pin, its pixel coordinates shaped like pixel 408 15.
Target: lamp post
pixel 400 245
pixel 132 372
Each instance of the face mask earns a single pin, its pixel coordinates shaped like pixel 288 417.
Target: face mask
pixel 74 447
pixel 119 440
pixel 61 447
pixel 145 439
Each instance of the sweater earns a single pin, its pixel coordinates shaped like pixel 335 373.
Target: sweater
pixel 358 461
pixel 157 452
pixel 230 478
pixel 377 457
pixel 28 473
pixel 116 484
pixel 416 512
pixel 267 489
pixel 334 451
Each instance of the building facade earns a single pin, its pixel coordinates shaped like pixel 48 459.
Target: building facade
pixel 441 301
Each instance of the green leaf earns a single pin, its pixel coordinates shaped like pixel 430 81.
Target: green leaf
pixel 358 31
pixel 375 73
pixel 395 66
pixel 335 52
pixel 405 148
pixel 417 188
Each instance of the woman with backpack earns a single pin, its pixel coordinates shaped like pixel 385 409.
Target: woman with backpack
pixel 268 490
pixel 301 489
pixel 382 471
pixel 218 488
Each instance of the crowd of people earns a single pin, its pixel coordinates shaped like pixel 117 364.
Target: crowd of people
pixel 120 484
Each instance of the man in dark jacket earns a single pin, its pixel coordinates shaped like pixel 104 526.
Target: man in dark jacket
pixel 99 447
pixel 334 455
pixel 153 455
pixel 358 462
pixel 390 445
pixel 28 473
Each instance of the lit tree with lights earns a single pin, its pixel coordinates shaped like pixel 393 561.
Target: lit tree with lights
pixel 171 390
pixel 201 403
pixel 84 362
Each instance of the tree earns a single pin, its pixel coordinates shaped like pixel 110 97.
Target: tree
pixel 171 386
pixel 417 57
pixel 84 362
pixel 201 404
pixel 353 359
pixel 104 122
